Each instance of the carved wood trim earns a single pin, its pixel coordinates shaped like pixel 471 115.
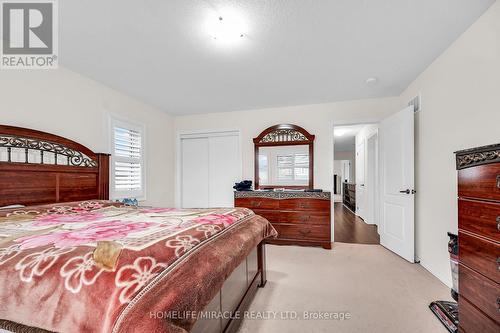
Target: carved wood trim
pixel 39 135
pixel 478 156
pixel 84 177
pixel 284 134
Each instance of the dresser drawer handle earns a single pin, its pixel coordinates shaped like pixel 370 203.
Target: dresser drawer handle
pixel 305 217
pixel 498 223
pixel 498 181
pixel 498 304
pixel 303 205
pixel 256 203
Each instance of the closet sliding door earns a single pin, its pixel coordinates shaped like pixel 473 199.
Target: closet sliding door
pixel 211 164
pixel 194 177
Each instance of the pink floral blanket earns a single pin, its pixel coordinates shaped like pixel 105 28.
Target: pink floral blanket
pixel 97 266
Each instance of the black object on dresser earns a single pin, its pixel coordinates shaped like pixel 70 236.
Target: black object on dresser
pixel 479 239
pixel 301 218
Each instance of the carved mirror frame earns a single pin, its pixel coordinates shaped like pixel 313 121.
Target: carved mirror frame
pixel 284 135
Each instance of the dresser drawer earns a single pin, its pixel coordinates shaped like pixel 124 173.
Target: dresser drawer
pixel 480 182
pixel 482 218
pixel 270 215
pixel 257 203
pixel 481 255
pixel 305 204
pixel 480 291
pixel 303 231
pixel 472 320
pixel 305 217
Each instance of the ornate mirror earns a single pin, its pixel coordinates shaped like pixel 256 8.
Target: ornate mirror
pixel 284 158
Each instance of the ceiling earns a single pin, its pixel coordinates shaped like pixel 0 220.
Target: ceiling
pixel 294 52
pixel 346 142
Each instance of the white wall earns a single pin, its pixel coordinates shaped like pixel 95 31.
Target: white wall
pixel 67 104
pixel 460 109
pixel 317 119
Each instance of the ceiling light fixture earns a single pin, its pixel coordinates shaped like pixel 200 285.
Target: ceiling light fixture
pixel 227 27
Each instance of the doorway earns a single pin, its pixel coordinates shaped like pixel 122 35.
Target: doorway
pixel 356 212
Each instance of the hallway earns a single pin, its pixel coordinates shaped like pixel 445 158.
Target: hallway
pixel 351 229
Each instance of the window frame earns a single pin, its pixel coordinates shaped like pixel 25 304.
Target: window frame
pixel 293 166
pixel 116 121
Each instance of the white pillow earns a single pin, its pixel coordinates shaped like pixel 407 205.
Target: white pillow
pixel 12 207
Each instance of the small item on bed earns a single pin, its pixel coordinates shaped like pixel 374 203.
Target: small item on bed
pixel 130 202
pixel 106 254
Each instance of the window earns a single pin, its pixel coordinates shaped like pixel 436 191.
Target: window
pixel 127 160
pixel 293 167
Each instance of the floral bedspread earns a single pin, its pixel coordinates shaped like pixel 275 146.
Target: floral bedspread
pixel 98 266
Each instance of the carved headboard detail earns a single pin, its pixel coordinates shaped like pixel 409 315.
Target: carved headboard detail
pixel 38 168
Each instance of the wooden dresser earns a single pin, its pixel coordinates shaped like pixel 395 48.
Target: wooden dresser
pixel 301 218
pixel 479 239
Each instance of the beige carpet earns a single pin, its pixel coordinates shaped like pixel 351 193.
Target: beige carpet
pixel 382 292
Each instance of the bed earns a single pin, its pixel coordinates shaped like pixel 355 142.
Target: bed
pixel 73 261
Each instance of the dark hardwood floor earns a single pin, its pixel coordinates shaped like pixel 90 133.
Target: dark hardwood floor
pixel 351 229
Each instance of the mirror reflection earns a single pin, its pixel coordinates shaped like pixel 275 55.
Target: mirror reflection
pixel 284 166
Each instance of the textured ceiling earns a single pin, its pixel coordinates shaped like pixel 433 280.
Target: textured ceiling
pixel 295 51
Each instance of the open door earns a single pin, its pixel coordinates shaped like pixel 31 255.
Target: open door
pixel 397 202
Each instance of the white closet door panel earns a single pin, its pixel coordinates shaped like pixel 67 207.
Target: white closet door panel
pixel 224 169
pixel 195 173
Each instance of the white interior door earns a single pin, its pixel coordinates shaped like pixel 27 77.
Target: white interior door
pixel 371 179
pixel 360 180
pixel 346 166
pixel 396 225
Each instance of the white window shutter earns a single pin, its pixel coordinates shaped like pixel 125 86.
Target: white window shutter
pixel 128 160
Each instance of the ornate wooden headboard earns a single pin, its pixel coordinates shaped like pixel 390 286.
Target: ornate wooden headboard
pixel 39 168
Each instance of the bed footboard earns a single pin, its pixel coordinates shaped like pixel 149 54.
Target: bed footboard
pixel 236 295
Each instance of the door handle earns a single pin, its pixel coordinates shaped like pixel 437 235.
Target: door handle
pixel 405 191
